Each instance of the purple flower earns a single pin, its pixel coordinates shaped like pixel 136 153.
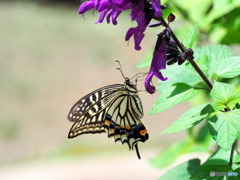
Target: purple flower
pixel 111 8
pixel 138 15
pixel 159 61
pixel 143 11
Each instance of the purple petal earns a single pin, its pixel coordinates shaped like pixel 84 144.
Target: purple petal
pixel 149 88
pixel 159 75
pixel 129 33
pixel 111 3
pixel 156 4
pixel 109 16
pixel 103 5
pixel 120 4
pixel 159 59
pixel 138 37
pixel 115 15
pixel 159 62
pixel 102 16
pixel 142 22
pixel 86 6
pixel 139 8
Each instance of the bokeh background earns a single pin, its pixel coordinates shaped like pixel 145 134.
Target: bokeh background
pixel 51 57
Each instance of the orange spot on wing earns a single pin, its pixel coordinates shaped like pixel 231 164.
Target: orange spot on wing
pixel 143 132
pixel 128 127
pixel 117 136
pixel 107 122
pixel 125 127
pixel 111 131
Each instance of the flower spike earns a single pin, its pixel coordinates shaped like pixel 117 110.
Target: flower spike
pixel 143 11
pixel 159 61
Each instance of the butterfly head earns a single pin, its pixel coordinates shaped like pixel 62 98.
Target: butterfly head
pixel 129 85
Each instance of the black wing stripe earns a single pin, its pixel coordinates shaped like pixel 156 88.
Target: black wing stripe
pixel 137 106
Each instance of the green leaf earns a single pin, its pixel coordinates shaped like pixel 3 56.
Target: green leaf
pixel 215 53
pixel 190 118
pixel 233 100
pixel 236 160
pixel 222 92
pixel 170 154
pixel 208 171
pixel 191 37
pixel 220 157
pixel 224 128
pixel 203 136
pixel 179 74
pixel 172 96
pixel 224 96
pixel 182 171
pixel 218 162
pixel 202 62
pixel 228 67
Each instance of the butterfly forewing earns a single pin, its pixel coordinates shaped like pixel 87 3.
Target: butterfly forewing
pixel 94 101
pixel 90 111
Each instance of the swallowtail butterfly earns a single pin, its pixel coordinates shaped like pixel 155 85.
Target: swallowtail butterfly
pixel 115 109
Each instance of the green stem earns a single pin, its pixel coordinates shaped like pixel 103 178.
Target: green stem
pixel 183 49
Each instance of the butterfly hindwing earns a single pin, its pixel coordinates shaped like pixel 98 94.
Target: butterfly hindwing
pixel 123 120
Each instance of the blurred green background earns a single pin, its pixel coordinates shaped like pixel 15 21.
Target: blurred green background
pixel 51 57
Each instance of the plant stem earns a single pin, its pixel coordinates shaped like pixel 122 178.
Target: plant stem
pixel 183 49
pixel 200 72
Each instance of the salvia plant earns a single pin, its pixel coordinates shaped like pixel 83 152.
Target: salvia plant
pixel 207 76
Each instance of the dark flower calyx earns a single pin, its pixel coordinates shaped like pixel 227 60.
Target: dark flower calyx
pixel 171 17
pixel 174 54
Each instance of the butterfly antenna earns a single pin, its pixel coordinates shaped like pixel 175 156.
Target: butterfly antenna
pixel 120 68
pixel 137 151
